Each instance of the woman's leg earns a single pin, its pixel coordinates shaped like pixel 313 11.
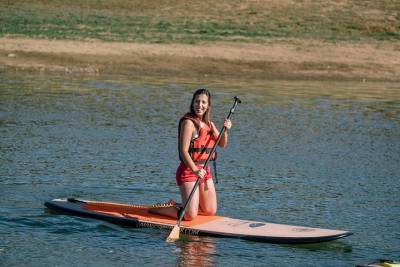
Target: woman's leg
pixel 208 198
pixel 193 206
pixel 169 211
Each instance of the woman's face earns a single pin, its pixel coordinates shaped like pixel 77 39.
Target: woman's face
pixel 200 105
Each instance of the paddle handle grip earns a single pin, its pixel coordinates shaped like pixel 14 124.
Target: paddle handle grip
pixel 182 212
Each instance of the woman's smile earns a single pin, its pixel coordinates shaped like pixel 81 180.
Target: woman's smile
pixel 200 104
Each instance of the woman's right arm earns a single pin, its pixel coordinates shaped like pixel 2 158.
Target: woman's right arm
pixel 187 129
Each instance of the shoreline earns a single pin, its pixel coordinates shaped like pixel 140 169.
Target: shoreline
pixel 280 59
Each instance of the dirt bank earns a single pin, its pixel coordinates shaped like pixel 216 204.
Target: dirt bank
pixel 291 59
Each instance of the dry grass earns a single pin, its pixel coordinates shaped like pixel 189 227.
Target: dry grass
pixel 300 59
pixel 256 39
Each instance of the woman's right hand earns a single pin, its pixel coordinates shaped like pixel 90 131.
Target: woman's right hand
pixel 200 173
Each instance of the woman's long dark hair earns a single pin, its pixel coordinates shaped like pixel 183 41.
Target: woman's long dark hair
pixel 207 114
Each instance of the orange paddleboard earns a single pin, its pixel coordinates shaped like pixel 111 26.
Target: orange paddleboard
pixel 138 216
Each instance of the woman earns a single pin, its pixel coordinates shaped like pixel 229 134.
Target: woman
pixel 197 135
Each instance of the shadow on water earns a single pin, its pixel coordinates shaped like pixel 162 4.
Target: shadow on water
pixel 336 246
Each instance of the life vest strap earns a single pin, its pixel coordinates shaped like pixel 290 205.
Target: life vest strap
pixel 202 161
pixel 200 149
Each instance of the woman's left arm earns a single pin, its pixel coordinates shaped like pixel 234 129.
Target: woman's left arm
pixel 224 138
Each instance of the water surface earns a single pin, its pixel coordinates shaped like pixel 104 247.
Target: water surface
pixel 313 153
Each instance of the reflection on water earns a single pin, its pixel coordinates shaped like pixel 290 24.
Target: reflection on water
pixel 312 153
pixel 196 251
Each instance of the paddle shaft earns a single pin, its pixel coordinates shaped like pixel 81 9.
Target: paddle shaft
pixel 182 213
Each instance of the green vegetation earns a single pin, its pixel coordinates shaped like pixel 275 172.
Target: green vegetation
pixel 186 21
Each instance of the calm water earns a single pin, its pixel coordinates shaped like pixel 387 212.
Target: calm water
pixel 323 154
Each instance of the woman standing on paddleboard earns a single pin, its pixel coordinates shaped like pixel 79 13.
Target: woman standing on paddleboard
pixel 197 135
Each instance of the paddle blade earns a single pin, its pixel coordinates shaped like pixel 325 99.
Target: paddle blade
pixel 174 235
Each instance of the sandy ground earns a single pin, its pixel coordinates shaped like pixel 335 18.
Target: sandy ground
pixel 290 59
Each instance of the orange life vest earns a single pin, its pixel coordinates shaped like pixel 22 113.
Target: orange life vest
pixel 202 144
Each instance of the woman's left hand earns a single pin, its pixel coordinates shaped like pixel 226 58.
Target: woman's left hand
pixel 227 124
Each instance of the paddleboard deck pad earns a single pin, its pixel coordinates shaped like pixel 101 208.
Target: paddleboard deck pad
pixel 139 216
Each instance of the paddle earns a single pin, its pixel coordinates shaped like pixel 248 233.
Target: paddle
pixel 174 235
